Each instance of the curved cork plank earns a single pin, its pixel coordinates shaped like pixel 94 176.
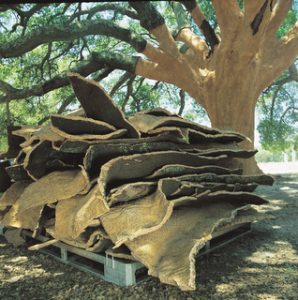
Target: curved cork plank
pixel 53 187
pixel 146 122
pixel 93 242
pixel 82 137
pixel 196 136
pixel 214 187
pixel 75 214
pixel 148 214
pixel 12 194
pixel 18 173
pixel 194 189
pixel 42 159
pixel 231 153
pixel 237 187
pixel 130 191
pixel 167 129
pixel 58 165
pixel 229 178
pixel 99 154
pixel 181 237
pixel 137 166
pixel 172 170
pixel 120 252
pixel 160 112
pixel 35 160
pixel 26 131
pixel 20 158
pixel 82 146
pixel 28 219
pixel 44 133
pixel 100 246
pixel 98 105
pixel 77 125
pixel 238 199
pixel 80 242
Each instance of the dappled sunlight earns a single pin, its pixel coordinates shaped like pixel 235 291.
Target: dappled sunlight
pixel 225 289
pixel 19 259
pixel 267 296
pixel 281 252
pixel 272 206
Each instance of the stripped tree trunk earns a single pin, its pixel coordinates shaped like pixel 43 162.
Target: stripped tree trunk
pixel 225 73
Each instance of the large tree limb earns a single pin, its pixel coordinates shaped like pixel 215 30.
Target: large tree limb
pixel 201 22
pixel 37 37
pixel 149 17
pixel 194 42
pixel 272 64
pixel 279 13
pixel 228 15
pixel 152 21
pixel 96 62
pixel 251 8
pixel 258 19
pixel 187 36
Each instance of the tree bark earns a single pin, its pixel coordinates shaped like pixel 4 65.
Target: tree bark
pixel 234 110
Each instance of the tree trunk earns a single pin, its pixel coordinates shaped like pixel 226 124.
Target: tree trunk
pixel 232 108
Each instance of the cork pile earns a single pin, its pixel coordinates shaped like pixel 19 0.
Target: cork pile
pixel 152 187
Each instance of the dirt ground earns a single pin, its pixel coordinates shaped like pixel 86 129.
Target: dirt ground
pixel 262 265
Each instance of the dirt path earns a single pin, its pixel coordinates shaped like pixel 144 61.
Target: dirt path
pixel 262 265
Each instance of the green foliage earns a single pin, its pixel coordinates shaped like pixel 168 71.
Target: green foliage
pixel 277 131
pixel 268 156
pixel 288 22
pixel 278 126
pixel 275 136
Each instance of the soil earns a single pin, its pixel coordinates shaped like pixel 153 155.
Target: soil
pixel 261 265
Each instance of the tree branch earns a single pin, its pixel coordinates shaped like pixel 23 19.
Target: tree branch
pixel 37 37
pixel 286 111
pixel 255 24
pixel 279 13
pixel 287 48
pixel 105 73
pixel 228 14
pixel 251 8
pixel 152 21
pixel 107 6
pixel 274 100
pixel 182 102
pixel 96 62
pixel 126 76
pixel 202 23
pixel 129 92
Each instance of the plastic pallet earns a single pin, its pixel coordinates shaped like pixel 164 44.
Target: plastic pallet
pixel 120 271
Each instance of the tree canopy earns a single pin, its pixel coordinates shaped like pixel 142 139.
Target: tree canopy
pixel 41 43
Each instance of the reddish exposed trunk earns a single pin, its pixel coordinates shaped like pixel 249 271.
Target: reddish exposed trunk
pixel 235 110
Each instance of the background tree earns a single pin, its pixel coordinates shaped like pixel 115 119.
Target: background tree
pixel 224 63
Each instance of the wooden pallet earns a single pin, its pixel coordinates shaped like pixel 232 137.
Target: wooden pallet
pixel 120 271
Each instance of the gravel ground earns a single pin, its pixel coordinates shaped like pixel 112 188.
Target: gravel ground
pixel 262 265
